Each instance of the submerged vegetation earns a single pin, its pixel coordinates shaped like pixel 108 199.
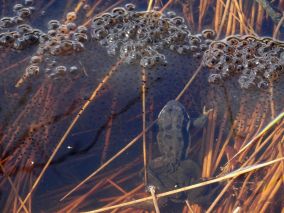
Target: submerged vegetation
pixel 77 106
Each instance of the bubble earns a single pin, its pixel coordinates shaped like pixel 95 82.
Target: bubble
pixel 17 7
pixel 24 12
pixel 36 59
pixel 130 7
pixel 53 24
pixel 6 22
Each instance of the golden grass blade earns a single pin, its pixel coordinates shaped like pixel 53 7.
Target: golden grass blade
pixel 189 82
pixel 14 188
pixel 269 126
pixel 153 194
pixel 233 174
pixel 276 31
pixel 143 74
pixel 150 3
pixel 223 19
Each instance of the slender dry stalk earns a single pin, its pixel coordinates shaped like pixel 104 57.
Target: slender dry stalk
pixel 14 188
pixel 144 80
pixel 189 82
pixel 150 3
pixel 223 19
pixel 276 31
pixel 119 188
pixel 155 202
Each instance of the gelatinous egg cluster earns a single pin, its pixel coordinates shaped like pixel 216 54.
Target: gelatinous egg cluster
pixel 256 61
pixel 14 33
pixel 142 35
pixel 60 40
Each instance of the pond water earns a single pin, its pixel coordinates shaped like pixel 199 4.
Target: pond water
pixel 80 100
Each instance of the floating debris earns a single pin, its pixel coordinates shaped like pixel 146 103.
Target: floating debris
pixel 257 61
pixel 142 35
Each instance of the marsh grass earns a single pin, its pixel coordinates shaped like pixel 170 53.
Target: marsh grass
pixel 241 146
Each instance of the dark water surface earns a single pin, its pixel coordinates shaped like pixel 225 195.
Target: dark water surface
pixel 35 116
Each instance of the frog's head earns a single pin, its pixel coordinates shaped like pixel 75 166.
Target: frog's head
pixel 173 115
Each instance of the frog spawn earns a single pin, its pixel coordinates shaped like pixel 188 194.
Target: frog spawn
pixel 142 35
pixel 256 61
pixel 14 33
pixel 60 40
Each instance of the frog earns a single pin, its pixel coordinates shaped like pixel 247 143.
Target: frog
pixel 173 169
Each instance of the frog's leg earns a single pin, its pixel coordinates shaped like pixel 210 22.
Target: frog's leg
pixel 200 122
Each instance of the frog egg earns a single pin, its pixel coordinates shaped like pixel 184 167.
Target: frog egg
pixel 24 28
pixel 262 84
pixel 6 22
pixel 80 37
pixel 240 68
pixel 31 70
pixel 97 23
pixel 82 29
pixel 119 11
pixel 6 39
pixel 66 46
pixel 214 78
pixel 71 26
pixel 171 14
pixel 20 44
pixel 193 49
pixel 130 7
pixel 208 34
pixel 194 41
pixel 17 7
pixel 56 50
pixel 18 20
pixel 36 60
pixel 177 20
pixel 71 16
pixel 233 41
pixel 52 33
pixel 15 34
pixel 146 62
pixel 31 38
pixel 53 24
pixel 60 70
pixel 78 46
pixel 100 34
pixel 63 29
pixel 24 12
pixel 203 47
pixel 218 45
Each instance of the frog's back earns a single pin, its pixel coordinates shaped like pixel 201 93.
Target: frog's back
pixel 173 136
